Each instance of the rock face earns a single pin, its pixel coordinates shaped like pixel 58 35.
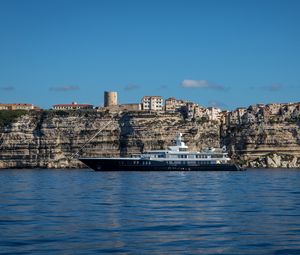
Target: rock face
pixel 49 139
pixel 264 145
pixel 255 137
pixel 264 135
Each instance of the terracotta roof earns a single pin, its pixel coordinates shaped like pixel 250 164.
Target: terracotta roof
pixel 16 104
pixel 72 105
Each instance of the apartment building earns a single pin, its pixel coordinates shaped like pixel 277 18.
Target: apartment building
pixel 154 103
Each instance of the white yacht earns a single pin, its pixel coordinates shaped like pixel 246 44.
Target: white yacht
pixel 175 158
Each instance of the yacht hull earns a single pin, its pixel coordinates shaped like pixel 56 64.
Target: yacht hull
pixel 111 164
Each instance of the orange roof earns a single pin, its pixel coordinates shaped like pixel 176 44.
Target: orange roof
pixel 72 105
pixel 17 104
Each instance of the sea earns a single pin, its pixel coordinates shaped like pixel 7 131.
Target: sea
pixel 85 212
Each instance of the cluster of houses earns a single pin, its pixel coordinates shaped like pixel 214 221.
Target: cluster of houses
pixel 150 103
pixel 254 113
pixel 264 113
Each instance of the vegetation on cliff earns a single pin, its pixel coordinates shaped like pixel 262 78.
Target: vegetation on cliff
pixel 10 116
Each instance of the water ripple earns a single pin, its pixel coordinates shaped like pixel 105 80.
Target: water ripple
pixel 81 211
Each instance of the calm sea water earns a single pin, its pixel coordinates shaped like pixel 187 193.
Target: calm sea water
pixel 85 212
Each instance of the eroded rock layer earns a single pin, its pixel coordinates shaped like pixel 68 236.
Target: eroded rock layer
pixel 49 139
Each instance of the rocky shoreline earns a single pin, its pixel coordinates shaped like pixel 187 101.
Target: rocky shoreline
pixel 261 137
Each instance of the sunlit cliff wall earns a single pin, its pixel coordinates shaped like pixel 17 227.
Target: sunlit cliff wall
pixel 258 137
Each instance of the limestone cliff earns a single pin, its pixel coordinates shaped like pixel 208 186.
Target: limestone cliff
pixel 264 145
pixel 48 139
pixel 255 137
pixel 264 135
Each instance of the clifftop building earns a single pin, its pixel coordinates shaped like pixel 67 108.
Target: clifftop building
pixel 154 103
pixel 172 104
pixel 18 107
pixel 213 113
pixel 73 106
pixel 130 107
pixel 110 98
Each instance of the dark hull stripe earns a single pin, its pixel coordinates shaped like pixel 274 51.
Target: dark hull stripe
pixel 128 165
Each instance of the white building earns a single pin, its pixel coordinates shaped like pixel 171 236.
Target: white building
pixel 213 113
pixel 172 104
pixel 235 117
pixel 154 103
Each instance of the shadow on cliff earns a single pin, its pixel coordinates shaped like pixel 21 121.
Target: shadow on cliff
pixel 37 132
pixel 127 137
pixel 234 139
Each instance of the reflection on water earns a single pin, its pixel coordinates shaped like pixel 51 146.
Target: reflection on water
pixel 81 211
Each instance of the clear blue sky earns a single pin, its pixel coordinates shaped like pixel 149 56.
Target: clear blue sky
pixel 226 53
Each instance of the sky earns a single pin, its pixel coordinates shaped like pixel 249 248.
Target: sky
pixel 224 53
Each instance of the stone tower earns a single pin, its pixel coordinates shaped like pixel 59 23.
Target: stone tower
pixel 110 98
